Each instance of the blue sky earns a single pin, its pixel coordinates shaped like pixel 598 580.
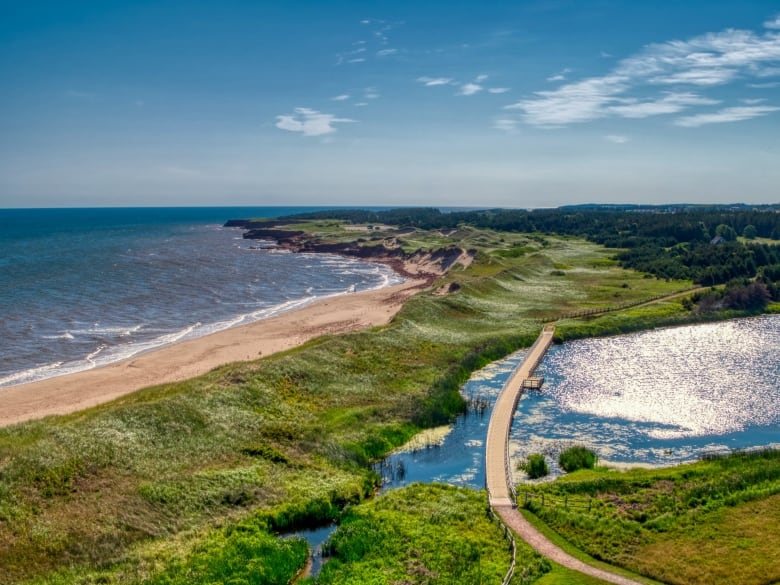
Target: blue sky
pixel 520 104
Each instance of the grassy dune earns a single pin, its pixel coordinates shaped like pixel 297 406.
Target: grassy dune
pixel 119 492
pixel 712 522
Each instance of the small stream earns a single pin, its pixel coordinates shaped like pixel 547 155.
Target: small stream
pixel 454 454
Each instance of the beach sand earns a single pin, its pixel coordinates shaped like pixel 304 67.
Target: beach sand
pixel 187 359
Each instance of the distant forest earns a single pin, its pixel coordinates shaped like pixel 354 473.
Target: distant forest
pixel 709 245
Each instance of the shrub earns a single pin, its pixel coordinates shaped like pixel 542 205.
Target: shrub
pixel 577 457
pixel 535 466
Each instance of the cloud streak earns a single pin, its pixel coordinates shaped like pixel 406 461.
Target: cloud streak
pixel 706 61
pixel 726 115
pixel 309 122
pixel 435 81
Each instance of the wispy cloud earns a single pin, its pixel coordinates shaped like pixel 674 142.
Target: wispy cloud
pixel 773 23
pixel 560 76
pixel 617 138
pixel 386 52
pixel 434 81
pixel 498 89
pixel 505 124
pixel 340 98
pixel 735 114
pixel 709 60
pixel 309 122
pixel 470 89
pixel 371 93
pixel 698 76
pixel 473 87
pixel 669 104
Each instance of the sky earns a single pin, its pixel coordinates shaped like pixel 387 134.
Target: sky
pixel 524 103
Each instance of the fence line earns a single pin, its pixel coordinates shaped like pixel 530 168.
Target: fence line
pixel 565 501
pixel 627 305
pixel 511 538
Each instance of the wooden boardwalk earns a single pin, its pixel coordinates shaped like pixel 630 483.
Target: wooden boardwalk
pixel 498 473
pixel 498 476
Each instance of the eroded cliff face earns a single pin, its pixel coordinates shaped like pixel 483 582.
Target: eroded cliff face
pixel 418 264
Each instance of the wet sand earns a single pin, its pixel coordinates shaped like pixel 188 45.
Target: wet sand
pixel 187 359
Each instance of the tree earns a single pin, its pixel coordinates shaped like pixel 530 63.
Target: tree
pixel 726 232
pixel 750 232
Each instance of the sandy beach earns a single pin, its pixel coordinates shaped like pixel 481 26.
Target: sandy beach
pixel 187 359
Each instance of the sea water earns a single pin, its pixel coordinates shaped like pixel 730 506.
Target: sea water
pixel 81 288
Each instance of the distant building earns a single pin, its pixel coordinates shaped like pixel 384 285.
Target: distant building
pixel 718 240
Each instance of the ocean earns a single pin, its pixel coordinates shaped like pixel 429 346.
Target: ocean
pixel 80 288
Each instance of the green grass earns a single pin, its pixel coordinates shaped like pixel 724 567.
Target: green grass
pixel 422 534
pixel 715 521
pixel 118 491
pixel 562 576
pixel 577 457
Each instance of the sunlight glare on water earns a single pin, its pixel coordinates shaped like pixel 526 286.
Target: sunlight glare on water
pixel 709 379
pixel 657 397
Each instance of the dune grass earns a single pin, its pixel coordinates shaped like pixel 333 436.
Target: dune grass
pixel 715 521
pixel 118 492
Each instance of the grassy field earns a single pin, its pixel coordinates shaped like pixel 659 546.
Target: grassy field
pixel 711 522
pixel 161 478
pixel 422 534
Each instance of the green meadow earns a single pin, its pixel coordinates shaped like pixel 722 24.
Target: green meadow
pixel 188 482
pixel 716 521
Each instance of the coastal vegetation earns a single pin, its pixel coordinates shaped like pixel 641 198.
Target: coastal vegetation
pixel 716 521
pixel 577 457
pixel 535 466
pixel 180 482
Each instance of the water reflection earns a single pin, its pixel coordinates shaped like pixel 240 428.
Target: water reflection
pixel 658 397
pixel 458 458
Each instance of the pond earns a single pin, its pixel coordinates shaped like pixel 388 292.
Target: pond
pixel 659 397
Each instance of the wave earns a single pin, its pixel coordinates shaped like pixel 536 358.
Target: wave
pixel 65 335
pixel 105 354
pixel 45 371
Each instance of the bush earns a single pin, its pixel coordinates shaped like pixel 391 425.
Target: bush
pixel 577 457
pixel 535 466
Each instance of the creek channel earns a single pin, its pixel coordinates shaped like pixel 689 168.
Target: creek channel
pixel 454 454
pixel 654 398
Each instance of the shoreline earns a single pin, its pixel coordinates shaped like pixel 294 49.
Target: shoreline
pixel 187 359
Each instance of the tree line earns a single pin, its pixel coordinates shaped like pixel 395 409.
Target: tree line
pixel 709 245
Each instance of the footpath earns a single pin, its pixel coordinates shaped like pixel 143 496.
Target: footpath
pixel 498 473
